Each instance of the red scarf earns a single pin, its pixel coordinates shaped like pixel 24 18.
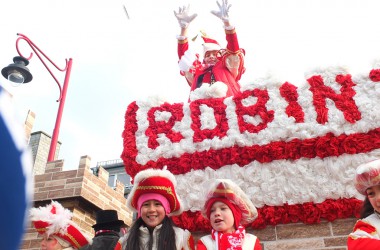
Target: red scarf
pixel 229 241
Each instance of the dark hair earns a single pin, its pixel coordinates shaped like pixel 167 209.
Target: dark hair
pixel 166 236
pixel 367 208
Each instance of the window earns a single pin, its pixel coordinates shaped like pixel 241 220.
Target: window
pixel 122 177
pixel 112 180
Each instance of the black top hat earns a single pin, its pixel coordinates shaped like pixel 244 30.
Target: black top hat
pixel 106 219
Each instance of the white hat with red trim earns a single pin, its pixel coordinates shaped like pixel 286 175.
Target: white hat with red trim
pixel 367 175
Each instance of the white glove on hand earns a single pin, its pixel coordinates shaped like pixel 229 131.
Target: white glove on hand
pixel 183 16
pixel 224 8
pixel 187 60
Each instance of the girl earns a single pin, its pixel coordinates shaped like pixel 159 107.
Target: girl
pixel 228 208
pixel 58 232
pixel 154 198
pixel 366 232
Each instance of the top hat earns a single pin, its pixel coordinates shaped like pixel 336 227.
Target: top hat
pixel 367 175
pixel 155 181
pixel 55 220
pixel 106 219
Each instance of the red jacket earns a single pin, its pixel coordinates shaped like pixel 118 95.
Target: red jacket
pixel 228 70
pixel 251 242
pixel 366 234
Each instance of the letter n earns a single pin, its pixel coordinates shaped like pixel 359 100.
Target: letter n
pixel 343 101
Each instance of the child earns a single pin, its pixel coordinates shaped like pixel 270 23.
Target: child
pixel 58 232
pixel 154 198
pixel 225 66
pixel 228 208
pixel 366 232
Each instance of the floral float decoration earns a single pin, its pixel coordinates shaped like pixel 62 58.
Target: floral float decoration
pixel 292 149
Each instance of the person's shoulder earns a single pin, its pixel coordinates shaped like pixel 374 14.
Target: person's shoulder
pixel 182 233
pixel 180 230
pixel 250 236
pixel 206 241
pixel 86 247
pixel 206 236
pixel 371 221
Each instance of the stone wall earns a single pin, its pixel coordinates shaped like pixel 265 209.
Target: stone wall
pixel 325 235
pixel 81 192
pixel 322 236
pixel 39 143
pixel 28 125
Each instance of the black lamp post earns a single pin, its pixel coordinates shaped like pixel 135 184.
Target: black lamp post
pixel 17 72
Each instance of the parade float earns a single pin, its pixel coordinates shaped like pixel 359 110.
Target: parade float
pixel 292 148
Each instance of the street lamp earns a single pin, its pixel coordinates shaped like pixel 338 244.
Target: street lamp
pixel 18 73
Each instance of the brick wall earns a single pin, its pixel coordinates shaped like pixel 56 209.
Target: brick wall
pixel 322 236
pixel 39 143
pixel 325 235
pixel 28 125
pixel 81 192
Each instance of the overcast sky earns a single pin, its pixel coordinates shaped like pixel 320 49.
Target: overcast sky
pixel 117 60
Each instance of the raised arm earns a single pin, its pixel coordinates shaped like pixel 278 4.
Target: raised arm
pixel 234 56
pixel 186 58
pixel 222 13
pixel 184 18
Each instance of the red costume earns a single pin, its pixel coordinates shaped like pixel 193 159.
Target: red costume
pixel 208 242
pixel 366 234
pixel 231 236
pixel 228 69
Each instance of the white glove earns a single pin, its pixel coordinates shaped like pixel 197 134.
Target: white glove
pixel 183 16
pixel 224 8
pixel 187 60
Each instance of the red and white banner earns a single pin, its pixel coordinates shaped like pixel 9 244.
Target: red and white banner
pixel 293 150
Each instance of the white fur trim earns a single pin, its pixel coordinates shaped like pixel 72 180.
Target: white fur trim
pixel 242 200
pixel 231 27
pixel 145 174
pixel 58 222
pixel 207 91
pixel 210 47
pixel 181 38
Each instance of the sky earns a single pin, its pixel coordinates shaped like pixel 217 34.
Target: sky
pixel 118 60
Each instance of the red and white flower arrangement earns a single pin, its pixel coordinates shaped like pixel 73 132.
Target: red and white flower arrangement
pixel 293 150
